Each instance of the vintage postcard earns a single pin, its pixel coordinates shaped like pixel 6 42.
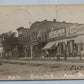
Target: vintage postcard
pixel 40 42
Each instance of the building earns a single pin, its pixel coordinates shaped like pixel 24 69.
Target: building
pixel 24 41
pixel 1 47
pixel 52 39
pixel 46 33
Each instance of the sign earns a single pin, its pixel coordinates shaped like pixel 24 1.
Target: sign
pixel 57 33
pixel 72 31
pixel 80 29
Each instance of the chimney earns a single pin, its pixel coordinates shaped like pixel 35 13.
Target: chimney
pixel 45 20
pixel 64 22
pixel 54 20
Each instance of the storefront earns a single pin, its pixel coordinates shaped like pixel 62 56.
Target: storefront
pixel 65 42
pixel 61 48
pixel 57 45
pixel 49 49
pixel 55 48
pixel 80 43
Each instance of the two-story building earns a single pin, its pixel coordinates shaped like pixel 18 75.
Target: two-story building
pixel 24 35
pixel 52 38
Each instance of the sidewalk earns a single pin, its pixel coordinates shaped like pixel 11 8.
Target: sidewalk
pixel 28 61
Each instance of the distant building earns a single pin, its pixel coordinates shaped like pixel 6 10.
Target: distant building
pixel 1 47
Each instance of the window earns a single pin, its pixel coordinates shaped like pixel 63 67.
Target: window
pixel 81 46
pixel 34 36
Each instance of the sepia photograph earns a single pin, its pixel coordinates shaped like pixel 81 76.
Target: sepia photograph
pixel 41 42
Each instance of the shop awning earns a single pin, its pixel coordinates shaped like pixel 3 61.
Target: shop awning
pixel 49 45
pixel 79 39
pixel 64 40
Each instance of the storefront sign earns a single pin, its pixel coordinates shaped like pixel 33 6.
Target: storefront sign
pixel 57 33
pixel 72 31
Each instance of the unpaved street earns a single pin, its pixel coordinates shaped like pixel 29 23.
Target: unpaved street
pixel 41 70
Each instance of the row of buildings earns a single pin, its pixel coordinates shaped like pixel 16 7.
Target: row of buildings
pixel 52 39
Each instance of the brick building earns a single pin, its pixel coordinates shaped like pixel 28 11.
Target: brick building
pixel 52 38
pixel 24 40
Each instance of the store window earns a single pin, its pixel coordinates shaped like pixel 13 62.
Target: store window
pixel 81 46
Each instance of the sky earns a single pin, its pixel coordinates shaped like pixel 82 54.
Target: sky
pixel 14 16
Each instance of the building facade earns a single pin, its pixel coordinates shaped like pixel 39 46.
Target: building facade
pixel 24 41
pixel 52 39
pixel 1 47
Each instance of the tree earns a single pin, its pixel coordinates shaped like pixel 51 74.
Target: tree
pixel 9 42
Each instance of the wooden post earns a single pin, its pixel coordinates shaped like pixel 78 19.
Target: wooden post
pixel 31 51
pixel 79 50
pixel 25 52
